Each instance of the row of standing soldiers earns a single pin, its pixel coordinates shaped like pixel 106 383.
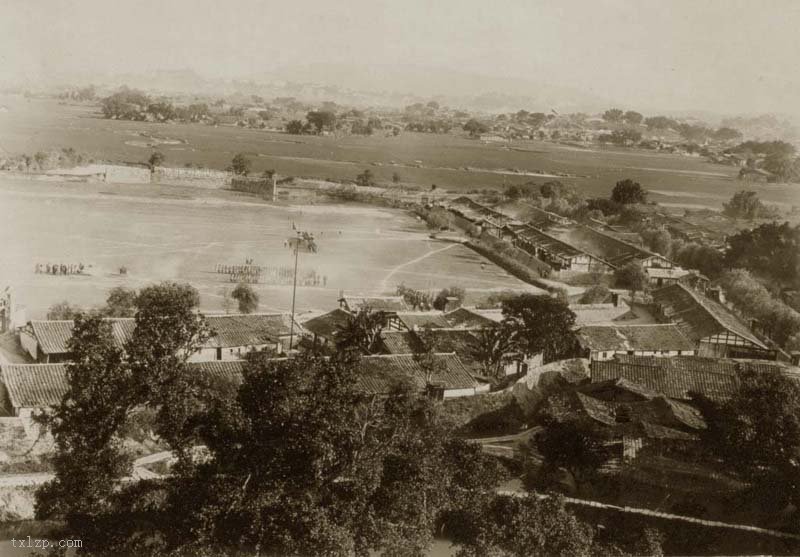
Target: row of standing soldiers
pixel 59 268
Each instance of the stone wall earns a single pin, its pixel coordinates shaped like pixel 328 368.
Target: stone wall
pixel 200 177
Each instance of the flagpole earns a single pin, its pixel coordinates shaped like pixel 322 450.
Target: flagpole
pixel 294 290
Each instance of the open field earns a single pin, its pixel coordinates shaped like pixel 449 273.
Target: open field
pixel 174 233
pixel 422 159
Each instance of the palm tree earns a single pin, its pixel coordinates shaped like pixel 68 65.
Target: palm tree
pixel 362 331
pixel 493 348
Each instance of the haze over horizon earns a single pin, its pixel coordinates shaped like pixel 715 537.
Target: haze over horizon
pixel 681 55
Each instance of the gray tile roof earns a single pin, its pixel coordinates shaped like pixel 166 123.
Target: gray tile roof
pixel 53 336
pixel 44 385
pixel 662 337
pixel 698 316
pixel 35 385
pixel 677 376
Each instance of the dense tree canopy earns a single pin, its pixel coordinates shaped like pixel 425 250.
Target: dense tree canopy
pixel 475 128
pixel 613 115
pixel 757 432
pixel 631 276
pixel 771 250
pixel 241 165
pixel 541 324
pixel 121 302
pixel 246 297
pixel 321 119
pixel 627 191
pixel 747 205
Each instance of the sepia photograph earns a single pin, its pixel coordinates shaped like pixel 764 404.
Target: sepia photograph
pixel 399 278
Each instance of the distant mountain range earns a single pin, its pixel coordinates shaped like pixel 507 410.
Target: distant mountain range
pixel 387 86
pixel 399 86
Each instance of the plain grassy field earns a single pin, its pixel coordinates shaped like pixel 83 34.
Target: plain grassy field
pixel 421 159
pixel 172 233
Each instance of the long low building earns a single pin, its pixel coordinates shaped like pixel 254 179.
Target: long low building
pixel 232 336
pixel 26 388
pixel 551 250
pixel 680 376
pixel 715 329
pixel 603 342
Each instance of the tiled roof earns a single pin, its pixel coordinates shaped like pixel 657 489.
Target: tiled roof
pixel 463 318
pixel 401 342
pixel 53 336
pixel 44 385
pixel 673 377
pixel 328 324
pixel 380 373
pixel 592 314
pixel 603 246
pixel 655 431
pixel 698 316
pixel 225 370
pixel 633 337
pixel 376 303
pixel 553 245
pixel 658 410
pixel 423 319
pixel 249 329
pixel 35 385
pixel 621 384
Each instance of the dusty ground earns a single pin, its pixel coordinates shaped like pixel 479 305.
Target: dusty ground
pixel 168 233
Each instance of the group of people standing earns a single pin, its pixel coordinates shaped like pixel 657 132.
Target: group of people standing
pixel 59 268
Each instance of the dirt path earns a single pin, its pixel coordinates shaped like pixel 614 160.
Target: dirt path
pixel 398 268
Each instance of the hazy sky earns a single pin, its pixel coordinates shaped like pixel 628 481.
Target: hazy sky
pixel 725 55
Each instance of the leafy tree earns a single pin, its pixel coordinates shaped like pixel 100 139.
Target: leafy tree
pixel 631 276
pixel 552 189
pixel 366 179
pixel 727 134
pixel 156 159
pixel 512 193
pixel 294 127
pixel 121 302
pixel 746 205
pixel 520 527
pixel 493 348
pixel 771 250
pixel 86 426
pixel 396 177
pixel 438 219
pixel 574 445
pixel 240 165
pixel 595 295
pixel 660 123
pixel 457 292
pixel 125 104
pixel 40 158
pixel 613 115
pixel 749 296
pixel 627 191
pixel 707 260
pixel 321 119
pixel 541 324
pixel 361 332
pixel 633 118
pixel 246 297
pixel 659 240
pixel 475 128
pixel 621 137
pixel 757 432
pixel 106 386
pixel 63 311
